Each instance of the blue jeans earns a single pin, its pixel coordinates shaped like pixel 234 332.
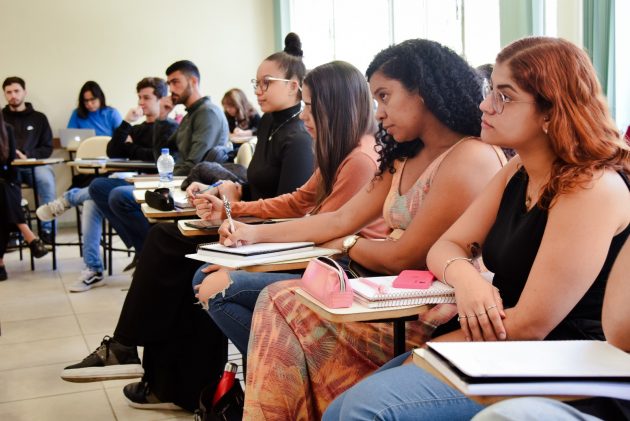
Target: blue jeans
pixel 45 179
pixel 532 409
pixel 401 392
pixel 233 312
pixel 114 198
pixel 91 225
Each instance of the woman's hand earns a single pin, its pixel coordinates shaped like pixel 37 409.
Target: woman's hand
pixel 243 234
pixel 233 191
pixel 209 207
pixel 480 310
pixel 213 284
pixel 194 188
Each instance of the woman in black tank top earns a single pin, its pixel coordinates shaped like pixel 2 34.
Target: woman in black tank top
pixel 549 225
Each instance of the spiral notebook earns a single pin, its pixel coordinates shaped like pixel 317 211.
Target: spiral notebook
pixel 367 293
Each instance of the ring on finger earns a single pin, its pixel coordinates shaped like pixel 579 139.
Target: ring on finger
pixel 481 314
pixel 491 307
pixel 461 317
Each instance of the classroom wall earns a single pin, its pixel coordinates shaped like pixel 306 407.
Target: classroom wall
pixel 58 45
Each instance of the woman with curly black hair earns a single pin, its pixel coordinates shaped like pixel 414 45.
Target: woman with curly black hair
pixel 431 168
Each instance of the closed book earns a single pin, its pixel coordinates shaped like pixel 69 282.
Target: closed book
pixel 581 368
pixel 233 261
pixel 250 250
pixel 376 292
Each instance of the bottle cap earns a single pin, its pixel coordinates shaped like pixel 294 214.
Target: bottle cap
pixel 165 151
pixel 231 367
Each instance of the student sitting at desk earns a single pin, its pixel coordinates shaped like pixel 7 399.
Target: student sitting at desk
pixel 139 142
pixel 182 347
pixel 93 111
pixel 241 116
pixel 550 226
pixel 346 161
pixel 431 167
pixel 11 213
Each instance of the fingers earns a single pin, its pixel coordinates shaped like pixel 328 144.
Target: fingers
pixel 482 325
pixel 210 268
pixel 196 287
pixel 499 302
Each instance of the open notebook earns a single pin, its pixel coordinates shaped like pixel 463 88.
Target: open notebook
pixel 367 293
pixel 585 368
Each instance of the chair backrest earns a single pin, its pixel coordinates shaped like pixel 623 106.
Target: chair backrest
pixel 244 154
pixel 93 147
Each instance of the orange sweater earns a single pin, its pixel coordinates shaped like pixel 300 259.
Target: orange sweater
pixel 354 172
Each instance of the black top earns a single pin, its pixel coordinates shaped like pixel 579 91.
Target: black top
pixel 33 135
pixel 511 247
pixel 148 140
pixel 283 159
pixel 252 123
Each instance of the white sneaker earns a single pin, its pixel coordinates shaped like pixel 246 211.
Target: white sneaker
pixel 53 209
pixel 87 280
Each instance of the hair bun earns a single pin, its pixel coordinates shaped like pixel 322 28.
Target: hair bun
pixel 293 45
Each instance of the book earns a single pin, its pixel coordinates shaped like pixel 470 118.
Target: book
pixel 582 368
pixel 376 292
pixel 268 249
pixel 181 200
pixel 236 262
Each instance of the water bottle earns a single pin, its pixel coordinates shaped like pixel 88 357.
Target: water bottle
pixel 226 382
pixel 165 165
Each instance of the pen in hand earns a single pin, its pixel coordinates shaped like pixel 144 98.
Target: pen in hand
pixel 228 212
pixel 217 184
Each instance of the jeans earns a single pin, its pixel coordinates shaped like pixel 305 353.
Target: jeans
pixel 401 392
pixel 114 198
pixel 45 178
pixel 532 409
pixel 91 225
pixel 233 311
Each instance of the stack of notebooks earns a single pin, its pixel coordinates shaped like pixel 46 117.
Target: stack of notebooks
pixel 564 368
pixel 377 292
pixel 258 254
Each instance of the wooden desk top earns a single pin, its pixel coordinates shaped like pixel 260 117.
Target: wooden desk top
pixel 483 400
pixel 358 312
pixel 34 162
pixel 150 212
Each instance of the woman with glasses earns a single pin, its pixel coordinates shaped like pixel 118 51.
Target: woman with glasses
pixel 93 111
pixel 549 225
pixel 431 167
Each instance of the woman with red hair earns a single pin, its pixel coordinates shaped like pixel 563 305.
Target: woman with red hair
pixel 549 225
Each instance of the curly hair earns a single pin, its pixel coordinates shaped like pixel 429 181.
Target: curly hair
pixel 581 131
pixel 451 90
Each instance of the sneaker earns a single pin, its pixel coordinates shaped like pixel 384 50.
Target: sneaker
pixel 3 274
pixel 140 396
pixel 38 249
pixel 53 209
pixel 133 264
pixel 110 361
pixel 87 280
pixel 46 237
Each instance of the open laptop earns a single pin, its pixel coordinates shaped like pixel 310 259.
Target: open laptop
pixel 70 138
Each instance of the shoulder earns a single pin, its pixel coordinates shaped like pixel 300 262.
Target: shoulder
pixel 359 157
pixel 470 155
pixel 110 111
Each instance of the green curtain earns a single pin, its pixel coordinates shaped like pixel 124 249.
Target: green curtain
pixel 599 42
pixel 281 18
pixel 517 19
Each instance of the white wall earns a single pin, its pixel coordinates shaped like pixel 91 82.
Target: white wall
pixel 58 45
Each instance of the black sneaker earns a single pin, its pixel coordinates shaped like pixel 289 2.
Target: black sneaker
pixel 46 237
pixel 3 274
pixel 111 360
pixel 38 249
pixel 133 264
pixel 140 396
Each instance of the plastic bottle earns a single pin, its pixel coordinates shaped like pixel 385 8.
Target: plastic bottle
pixel 226 382
pixel 165 165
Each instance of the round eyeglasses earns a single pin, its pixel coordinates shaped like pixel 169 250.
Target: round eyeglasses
pixel 498 98
pixel 264 83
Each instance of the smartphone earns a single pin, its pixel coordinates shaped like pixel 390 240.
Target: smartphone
pixel 414 279
pixel 214 224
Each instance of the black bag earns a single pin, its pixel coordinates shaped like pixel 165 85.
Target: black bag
pixel 228 408
pixel 160 199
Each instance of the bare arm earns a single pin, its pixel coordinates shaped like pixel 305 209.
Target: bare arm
pixel 616 312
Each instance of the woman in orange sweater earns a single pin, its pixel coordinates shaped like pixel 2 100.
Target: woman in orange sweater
pixel 346 161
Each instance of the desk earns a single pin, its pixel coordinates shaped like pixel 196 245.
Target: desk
pixel 150 212
pixel 359 313
pixel 483 400
pixel 105 165
pixel 32 163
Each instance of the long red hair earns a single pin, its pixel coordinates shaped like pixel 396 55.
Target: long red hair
pixel 581 131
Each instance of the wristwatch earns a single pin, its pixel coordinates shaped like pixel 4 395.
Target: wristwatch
pixel 348 243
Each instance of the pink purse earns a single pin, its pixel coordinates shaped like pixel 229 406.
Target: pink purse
pixel 325 280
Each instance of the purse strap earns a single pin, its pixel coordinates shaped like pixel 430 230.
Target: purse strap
pixel 338 270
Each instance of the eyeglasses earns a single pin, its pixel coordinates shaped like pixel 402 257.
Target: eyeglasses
pixel 498 99
pixel 264 83
pixel 88 100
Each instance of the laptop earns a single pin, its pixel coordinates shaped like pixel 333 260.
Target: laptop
pixel 70 138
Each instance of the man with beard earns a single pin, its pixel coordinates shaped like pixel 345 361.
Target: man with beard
pixel 202 133
pixel 33 138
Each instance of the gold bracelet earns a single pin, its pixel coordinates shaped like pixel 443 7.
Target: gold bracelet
pixel 448 262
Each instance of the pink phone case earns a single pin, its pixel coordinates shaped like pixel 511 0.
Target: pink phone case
pixel 414 279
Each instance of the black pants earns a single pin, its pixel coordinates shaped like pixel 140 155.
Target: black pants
pixel 183 349
pixel 10 211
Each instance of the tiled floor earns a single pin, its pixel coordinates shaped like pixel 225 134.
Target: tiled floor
pixel 45 328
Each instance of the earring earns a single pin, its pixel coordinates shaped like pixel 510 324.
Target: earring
pixel 545 129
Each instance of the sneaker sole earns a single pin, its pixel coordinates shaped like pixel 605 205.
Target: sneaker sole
pixel 88 287
pixel 96 374
pixel 162 405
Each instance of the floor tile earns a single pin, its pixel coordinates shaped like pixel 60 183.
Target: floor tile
pixel 96 322
pixel 39 329
pixel 44 352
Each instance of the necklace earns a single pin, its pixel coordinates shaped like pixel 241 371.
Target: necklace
pixel 283 123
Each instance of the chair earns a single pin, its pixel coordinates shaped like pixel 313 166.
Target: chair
pixel 245 153
pixel 90 148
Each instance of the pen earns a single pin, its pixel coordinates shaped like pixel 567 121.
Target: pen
pixel 213 185
pixel 228 212
pixel 381 289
